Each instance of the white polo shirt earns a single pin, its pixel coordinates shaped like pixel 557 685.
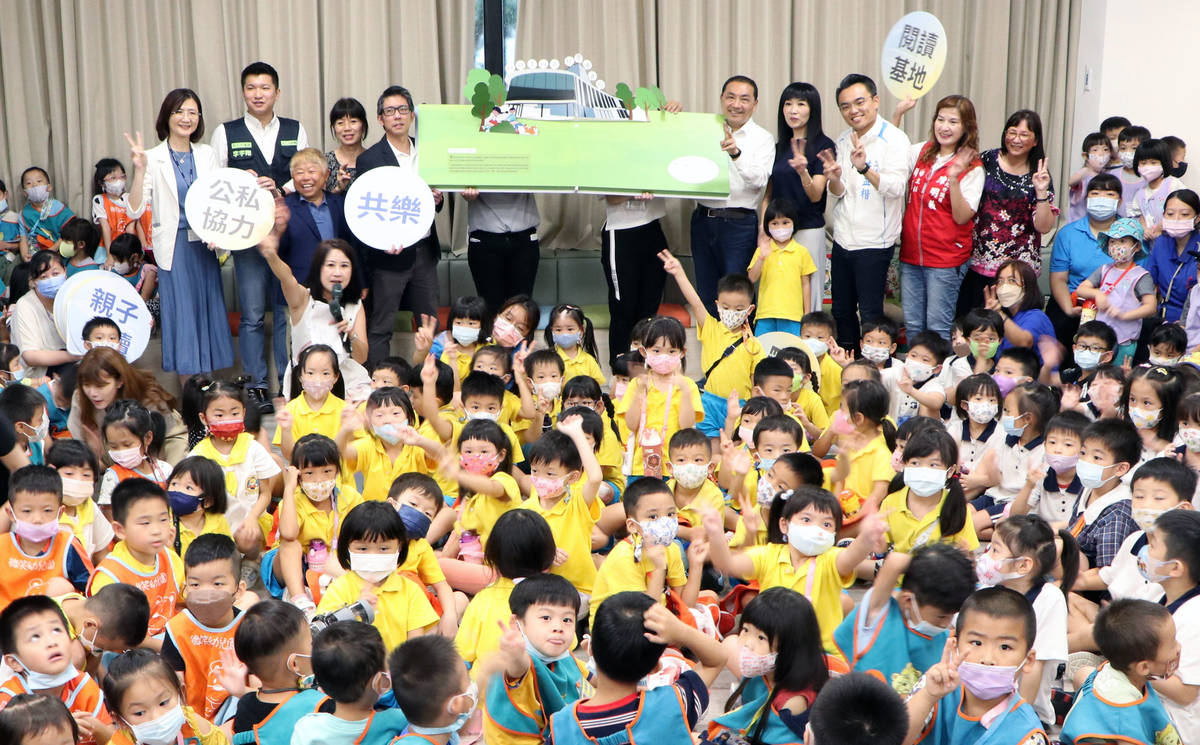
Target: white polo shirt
pixel 865 216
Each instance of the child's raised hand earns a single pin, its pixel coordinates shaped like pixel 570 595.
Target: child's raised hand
pixel 571 426
pixel 448 464
pixel 905 382
pixel 429 371
pixel 423 339
pixel 522 351
pixel 841 356
pixel 662 627
pixel 291 476
pixel 712 524
pixel 671 264
pixel 656 554
pixel 697 554
pixel 874 528
pixel 739 462
pixel 233 673
pixel 942 678
pixel 351 419
pixel 283 418
pixel 512 641
pixel 1037 473
pixel 733 407
pixel 368 595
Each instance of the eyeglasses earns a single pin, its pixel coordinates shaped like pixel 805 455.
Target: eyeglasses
pixel 1090 348
pixel 394 110
pixel 1018 135
pixel 186 112
pixel 1014 281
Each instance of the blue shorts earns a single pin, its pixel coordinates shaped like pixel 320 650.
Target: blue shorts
pixel 768 325
pixel 714 414
pixel 989 505
pixel 266 571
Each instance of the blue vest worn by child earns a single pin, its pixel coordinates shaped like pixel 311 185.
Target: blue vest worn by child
pixel 278 725
pixel 1144 721
pixel 557 687
pixel 661 719
pixel 1018 724
pixel 896 653
pixel 740 722
pixel 242 151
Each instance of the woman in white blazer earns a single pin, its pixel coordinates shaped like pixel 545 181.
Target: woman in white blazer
pixel 195 329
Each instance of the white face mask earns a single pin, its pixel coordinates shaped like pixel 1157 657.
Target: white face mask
pixel 36 681
pixel 876 354
pixel 733 319
pixel 115 188
pixel 982 412
pixel 690 475
pixel 782 235
pixel 810 540
pixel 374 568
pixel 162 731
pixel 918 371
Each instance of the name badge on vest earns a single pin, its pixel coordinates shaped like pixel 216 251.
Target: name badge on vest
pixel 288 143
pixel 241 149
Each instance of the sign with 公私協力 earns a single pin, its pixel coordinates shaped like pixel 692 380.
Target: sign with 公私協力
pixel 228 209
pixel 89 295
pixel 914 54
pixel 389 208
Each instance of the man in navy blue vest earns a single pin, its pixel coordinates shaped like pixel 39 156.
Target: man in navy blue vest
pixel 264 144
pixel 405 279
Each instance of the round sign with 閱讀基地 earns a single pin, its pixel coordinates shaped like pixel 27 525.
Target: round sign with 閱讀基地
pixel 389 208
pixel 88 295
pixel 914 54
pixel 227 208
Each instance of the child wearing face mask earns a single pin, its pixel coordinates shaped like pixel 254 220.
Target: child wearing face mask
pixel 318 407
pixel 533 674
pixel 1027 411
pixel 539 376
pixel 740 421
pixel 1105 391
pixel 1151 403
pixel 1102 519
pixel 1168 344
pixel 43 216
pixel 129 261
pixel 146 700
pixel 691 482
pixel 1189 431
pixel 486 489
pixel 978 673
pixel 249 472
pixel 782 666
pixel 133 436
pixel 772 437
pixel 584 391
pixel 879 341
pixel 26 409
pixel 1022 556
pixel 314 506
pixel 1127 144
pixel 977 432
pixel 110 204
pixel 983 330
pixel 470 324
pixel 349 662
pixel 789 472
pixel 916 387
pixel 1097 154
pixel 782 265
pixel 1124 292
pixel 112 619
pixel 1152 161
pixel 904 433
pixel 660 402
pixel 198 635
pixel 495 360
pixel 799 553
pixel 931 507
pixel 570 334
pixel 729 351
pixel 371 547
pixel 865 440
pixel 35 642
pixel 898 636
pixel 650 560
pixel 433 690
pixel 1094 345
pixel 196 490
pixel 273 640
pixel 1052 490
pixel 817 331
pixel 79 244
pixel 391 448
pixel 1118 701
pixel 418 501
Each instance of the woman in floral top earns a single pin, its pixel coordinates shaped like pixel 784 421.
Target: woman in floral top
pixel 1017 207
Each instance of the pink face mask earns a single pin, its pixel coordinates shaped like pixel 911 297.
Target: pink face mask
pixel 35 532
pixel 663 364
pixel 898 461
pixel 547 487
pixel 484 465
pixel 505 333
pixel 841 424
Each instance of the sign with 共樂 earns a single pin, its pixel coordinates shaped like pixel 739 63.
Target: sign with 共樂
pixel 389 208
pixel 914 54
pixel 228 209
pixel 88 295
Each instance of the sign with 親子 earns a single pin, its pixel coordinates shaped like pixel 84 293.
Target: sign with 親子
pixel 389 208
pixel 227 208
pixel 914 54
pixel 99 293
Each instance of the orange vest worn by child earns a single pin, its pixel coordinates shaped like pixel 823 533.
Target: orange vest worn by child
pixel 160 584
pixel 201 648
pixel 118 219
pixel 22 574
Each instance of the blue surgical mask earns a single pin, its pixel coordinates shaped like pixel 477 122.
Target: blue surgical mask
pixel 1010 425
pixel 567 341
pixel 50 286
pixel 765 464
pixel 416 524
pixel 1091 475
pixel 3 205
pixel 389 433
pixel 1087 359
pixel 1101 208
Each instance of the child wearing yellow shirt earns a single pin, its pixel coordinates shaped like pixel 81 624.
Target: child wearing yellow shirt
pixel 773 378
pixel 817 330
pixel 781 265
pixel 806 403
pixel 864 463
pixel 800 554
pixel 495 360
pixel 313 507
pixel 196 491
pixel 486 489
pixel 569 333
pixel 691 484
pixel 318 406
pixel 789 472
pixel 371 546
pixel 583 391
pixel 555 462
pixel 650 560
pixel 469 323
pixel 417 500
pixel 523 546
pixel 728 349
pixel 77 466
pixel 931 508
pixel 663 400
pixel 774 436
pixel 539 376
pixel 392 446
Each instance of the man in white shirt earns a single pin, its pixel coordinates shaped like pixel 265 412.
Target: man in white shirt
pixel 407 276
pixel 263 144
pixel 725 231
pixel 866 182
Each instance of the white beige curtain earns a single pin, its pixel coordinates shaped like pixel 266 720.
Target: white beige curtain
pixel 76 74
pixel 1004 54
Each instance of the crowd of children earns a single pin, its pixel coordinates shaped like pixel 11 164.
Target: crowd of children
pixel 501 544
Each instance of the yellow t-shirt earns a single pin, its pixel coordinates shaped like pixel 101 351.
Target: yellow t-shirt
pixel 326 420
pixel 510 413
pixel 708 498
pixel 813 407
pixel 571 519
pixel 657 415
pixel 611 455
pixel 906 531
pixel 620 572
pixel 739 534
pixel 780 294
pixel 422 561
pixel 316 523
pixel 480 512
pixel 736 372
pixel 581 364
pixel 773 568
pixel 464 359
pixel 377 467
pixel 831 384
pixel 402 605
pixel 478 633
pixel 89 525
pixel 213 523
pixel 872 463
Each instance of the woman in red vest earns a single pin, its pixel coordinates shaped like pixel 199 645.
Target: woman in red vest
pixel 944 186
